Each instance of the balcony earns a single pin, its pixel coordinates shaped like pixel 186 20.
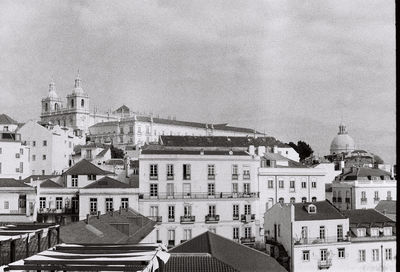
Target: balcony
pixel 187 219
pixel 318 240
pixel 347 199
pixel 157 219
pixel 170 177
pixel 171 219
pixel 247 240
pixel 363 200
pixel 324 264
pixel 171 243
pixel 247 218
pixel 218 195
pixel 212 177
pixel 212 218
pixel 235 217
pixel 376 199
pixel 235 176
pixel 153 177
pixel 58 211
pixel 246 176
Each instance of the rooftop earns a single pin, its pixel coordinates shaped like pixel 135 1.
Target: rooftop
pixel 387 206
pixel 355 173
pixel 367 217
pixel 217 249
pixel 10 182
pixel 325 211
pixel 85 167
pixel 50 184
pixel 107 182
pixel 7 120
pixel 159 150
pixel 38 177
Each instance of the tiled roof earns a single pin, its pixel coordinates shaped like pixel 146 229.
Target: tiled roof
pixel 118 227
pixel 50 184
pixel 325 211
pixel 328 188
pixel 107 182
pixel 123 108
pixel 366 216
pixel 134 181
pixel 85 167
pixel 220 141
pixel 7 120
pixel 196 263
pixel 10 182
pixel 102 153
pixel 108 123
pixel 354 173
pixel 192 152
pixel 235 255
pixel 388 206
pixel 39 177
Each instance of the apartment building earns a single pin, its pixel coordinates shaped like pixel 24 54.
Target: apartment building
pixel 14 153
pixel 51 147
pixel 96 153
pixel 362 188
pixel 189 192
pixel 318 236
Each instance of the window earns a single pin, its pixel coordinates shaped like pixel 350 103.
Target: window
pixel 314 199
pixel 170 171
pixel 91 177
pixel 0 167
pixel 313 184
pixel 388 253
pixel 341 253
pixel 304 232
pixel 130 129
pixel 235 234
pixel 270 183
pixel 339 232
pixel 82 103
pixel 303 199
pixel 124 203
pixel 139 130
pixel 235 171
pixel 6 205
pixel 323 253
pixel 6 127
pixel 109 205
pixel 246 188
pixel 153 171
pixel 212 229
pixel 247 232
pixel 1 150
pixel 306 255
pixel 312 209
pixel 235 188
pixel 291 184
pixel 387 231
pixel 281 200
pixel 374 232
pixel 187 234
pixel 211 189
pixel 279 230
pixel 389 195
pixel 154 212
pixel 246 172
pixel 17 155
pixel 361 232
pixel 74 181
pixel 376 195
pixel 44 157
pixel 187 210
pixel 21 167
pixel 93 206
pixel 59 203
pixel 211 171
pixel 281 184
pixel 186 189
pixel 44 143
pixel 72 103
pixel 33 143
pixel 43 172
pixel 235 211
pixel 186 171
pixel 292 200
pixel 171 213
pixel 247 209
pixel 361 254
pixel 375 255
pixel 33 157
pixel 153 189
pixel 170 189
pixel 42 202
pixel 211 210
pixel 303 184
pixel 21 151
pixel 171 237
pixel 322 232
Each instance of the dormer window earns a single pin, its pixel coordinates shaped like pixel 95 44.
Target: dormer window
pixel 361 232
pixel 374 232
pixel 387 231
pixel 312 209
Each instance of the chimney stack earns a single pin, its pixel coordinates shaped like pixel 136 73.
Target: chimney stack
pixel 98 214
pixel 261 150
pixel 87 218
pixel 275 149
pixel 251 150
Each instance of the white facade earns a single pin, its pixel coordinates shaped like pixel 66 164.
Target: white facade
pixel 215 194
pixel 51 147
pixel 17 204
pixel 14 156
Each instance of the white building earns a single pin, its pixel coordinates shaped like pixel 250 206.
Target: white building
pixel 51 147
pixel 96 153
pixel 362 188
pixel 191 191
pixel 14 153
pixel 317 236
pixel 16 201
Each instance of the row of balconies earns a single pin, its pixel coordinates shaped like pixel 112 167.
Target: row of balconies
pixel 199 195
pixel 191 219
pixel 58 211
pixel 209 177
pixel 320 240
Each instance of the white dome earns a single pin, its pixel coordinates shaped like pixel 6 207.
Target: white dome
pixel 342 143
pixel 52 91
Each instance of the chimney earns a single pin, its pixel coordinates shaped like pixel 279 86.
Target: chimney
pixel 261 150
pixel 120 209
pixel 98 214
pixel 341 165
pixel 87 218
pixel 251 150
pixel 275 149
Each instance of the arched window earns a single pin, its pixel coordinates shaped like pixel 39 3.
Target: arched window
pixel 82 103
pixel 59 122
pixel 46 107
pixel 292 200
pixel 303 199
pixel 55 106
pixel 314 199
pixel 72 103
pixel 281 200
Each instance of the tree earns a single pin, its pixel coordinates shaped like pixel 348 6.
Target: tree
pixel 294 146
pixel 116 153
pixel 303 149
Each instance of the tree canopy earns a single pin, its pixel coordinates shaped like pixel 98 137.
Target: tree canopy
pixel 303 149
pixel 116 153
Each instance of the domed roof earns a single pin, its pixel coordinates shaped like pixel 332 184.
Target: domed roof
pixel 342 142
pixel 52 91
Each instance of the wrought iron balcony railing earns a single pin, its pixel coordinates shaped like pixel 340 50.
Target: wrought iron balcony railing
pixel 246 218
pixel 319 240
pixel 212 218
pixel 187 219
pixel 247 240
pixel 324 264
pixel 157 219
pixel 193 195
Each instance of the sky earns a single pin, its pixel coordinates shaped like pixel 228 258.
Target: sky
pixel 292 69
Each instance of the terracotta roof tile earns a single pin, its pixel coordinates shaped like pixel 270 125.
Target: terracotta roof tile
pixel 325 211
pixel 10 182
pixel 7 120
pixel 107 182
pixel 50 184
pixel 85 167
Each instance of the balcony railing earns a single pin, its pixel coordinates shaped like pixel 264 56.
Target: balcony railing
pixel 376 199
pixel 153 177
pixel 211 177
pixel 170 177
pixel 318 240
pixel 246 176
pixel 199 195
pixel 157 219
pixel 212 218
pixel 324 264
pixel 187 219
pixel 171 219
pixel 235 176
pixel 347 199
pixel 246 218
pixel 363 201
pixel 247 240
pixel 58 211
pixel 235 217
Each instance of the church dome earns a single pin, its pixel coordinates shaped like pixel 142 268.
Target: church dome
pixel 52 91
pixel 342 142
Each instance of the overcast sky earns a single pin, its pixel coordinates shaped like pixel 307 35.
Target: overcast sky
pixel 289 68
